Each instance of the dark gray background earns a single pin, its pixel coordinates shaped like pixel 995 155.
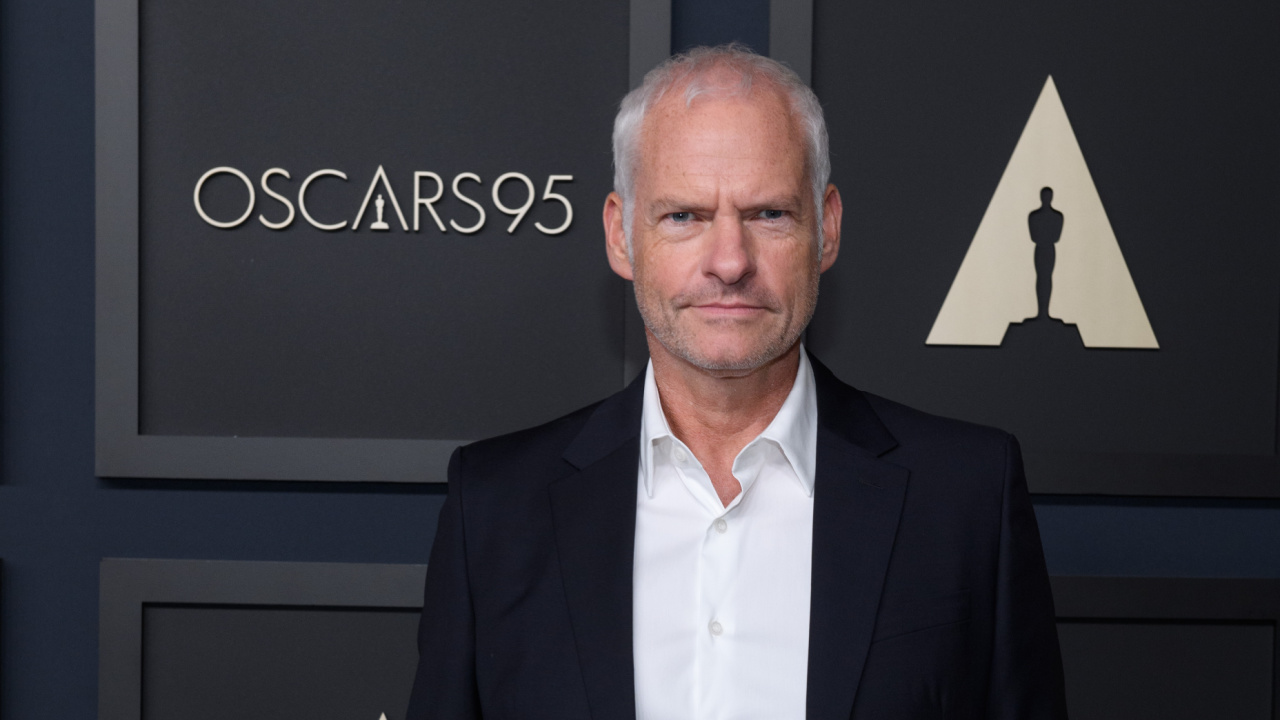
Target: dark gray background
pixel 306 333
pixel 57 520
pixel 1175 110
pixel 210 663
pixel 1168 670
pixel 215 663
pixel 1131 648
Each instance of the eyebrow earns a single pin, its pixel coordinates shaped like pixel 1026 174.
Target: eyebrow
pixel 787 202
pixel 662 206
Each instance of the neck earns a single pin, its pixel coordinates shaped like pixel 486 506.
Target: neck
pixel 717 413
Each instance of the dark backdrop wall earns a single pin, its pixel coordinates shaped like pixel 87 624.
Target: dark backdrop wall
pixel 57 520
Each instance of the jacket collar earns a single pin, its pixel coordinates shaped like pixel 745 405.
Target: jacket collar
pixel 594 514
pixel 844 411
pixel 857 502
pixel 615 421
pixel 794 431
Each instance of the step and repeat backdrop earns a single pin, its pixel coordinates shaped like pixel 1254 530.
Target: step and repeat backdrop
pixel 336 240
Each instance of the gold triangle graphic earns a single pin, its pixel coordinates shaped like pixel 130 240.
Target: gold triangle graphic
pixel 1092 287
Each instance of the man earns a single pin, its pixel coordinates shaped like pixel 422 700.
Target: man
pixel 738 534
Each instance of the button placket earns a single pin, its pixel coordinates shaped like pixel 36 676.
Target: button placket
pixel 718 568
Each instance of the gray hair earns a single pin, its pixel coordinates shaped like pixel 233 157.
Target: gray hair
pixel 694 69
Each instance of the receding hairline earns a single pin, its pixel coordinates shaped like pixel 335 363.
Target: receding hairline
pixel 672 102
pixel 693 71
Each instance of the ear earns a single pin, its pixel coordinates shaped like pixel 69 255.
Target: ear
pixel 615 240
pixel 832 210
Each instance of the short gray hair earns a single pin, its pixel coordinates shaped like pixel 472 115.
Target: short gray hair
pixel 694 69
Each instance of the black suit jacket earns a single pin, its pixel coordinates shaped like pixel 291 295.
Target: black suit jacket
pixel 929 592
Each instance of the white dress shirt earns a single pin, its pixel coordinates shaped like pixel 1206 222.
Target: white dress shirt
pixel 721 593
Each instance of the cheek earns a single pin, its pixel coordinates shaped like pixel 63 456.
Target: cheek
pixel 665 269
pixel 790 274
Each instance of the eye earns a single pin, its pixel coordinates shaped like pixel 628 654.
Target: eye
pixel 681 217
pixel 773 214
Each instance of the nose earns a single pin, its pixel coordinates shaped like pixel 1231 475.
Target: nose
pixel 729 255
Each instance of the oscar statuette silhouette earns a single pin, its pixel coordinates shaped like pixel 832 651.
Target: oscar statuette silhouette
pixel 1045 225
pixel 1044 228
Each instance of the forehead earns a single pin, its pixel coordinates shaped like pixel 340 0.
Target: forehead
pixel 722 132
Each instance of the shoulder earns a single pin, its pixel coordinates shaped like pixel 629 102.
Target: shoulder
pixel 953 458
pixel 521 453
pixel 532 458
pixel 960 468
pixel 898 432
pixel 918 430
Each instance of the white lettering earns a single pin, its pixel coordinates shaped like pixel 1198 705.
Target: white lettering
pixel 568 209
pixel 380 175
pixel 302 199
pixel 419 201
pixel 520 212
pixel 247 183
pixel 458 193
pixel 263 218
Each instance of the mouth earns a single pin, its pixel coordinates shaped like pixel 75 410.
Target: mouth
pixel 729 310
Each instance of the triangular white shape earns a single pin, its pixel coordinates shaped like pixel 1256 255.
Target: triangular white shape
pixel 996 283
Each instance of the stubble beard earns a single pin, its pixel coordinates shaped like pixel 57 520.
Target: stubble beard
pixel 660 318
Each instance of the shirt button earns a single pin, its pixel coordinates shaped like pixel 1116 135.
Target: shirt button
pixel 715 627
pixel 681 455
pixel 721 526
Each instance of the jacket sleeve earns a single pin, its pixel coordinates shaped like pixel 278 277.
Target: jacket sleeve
pixel 1026 679
pixel 445 684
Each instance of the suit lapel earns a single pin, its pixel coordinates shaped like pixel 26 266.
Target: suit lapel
pixel 594 513
pixel 857 503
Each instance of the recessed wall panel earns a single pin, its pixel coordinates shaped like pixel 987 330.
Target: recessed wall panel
pixel 410 331
pixel 335 240
pixel 210 663
pixel 1161 164
pixel 1132 670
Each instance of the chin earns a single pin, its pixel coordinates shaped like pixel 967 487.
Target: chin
pixel 737 358
pixel 727 348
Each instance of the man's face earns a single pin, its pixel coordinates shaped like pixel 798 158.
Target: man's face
pixel 725 235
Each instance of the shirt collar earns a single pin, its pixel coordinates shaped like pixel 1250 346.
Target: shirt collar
pixel 794 429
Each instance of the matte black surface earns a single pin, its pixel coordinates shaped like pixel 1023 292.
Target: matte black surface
pixel 1154 474
pixel 357 334
pixel 925 103
pixel 179 635
pixel 213 663
pixel 1167 671
pixel 1137 647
